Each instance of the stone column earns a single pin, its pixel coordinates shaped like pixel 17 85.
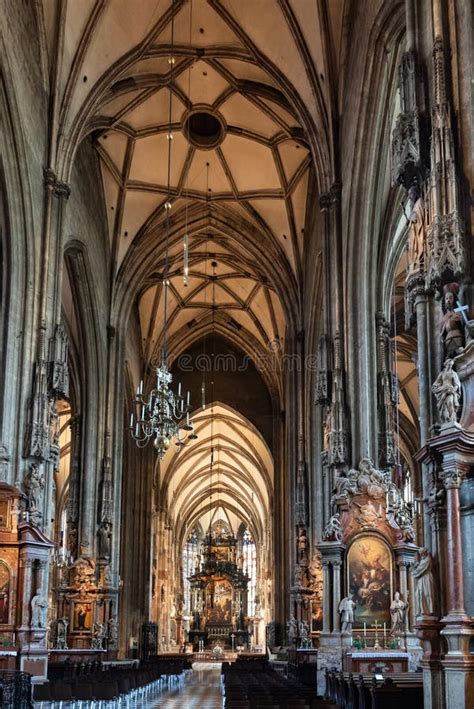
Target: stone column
pixel 336 595
pixel 424 385
pixel 452 480
pixel 458 663
pixel 453 448
pixel 326 598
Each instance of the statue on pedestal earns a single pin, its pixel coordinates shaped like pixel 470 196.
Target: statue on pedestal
pixel 39 605
pixel 333 530
pixel 302 544
pixel 105 536
pixel 422 573
pixel 398 609
pixel 292 629
pixel 346 609
pixel 112 630
pixel 98 636
pixel 34 484
pixel 61 634
pixel 416 231
pixel 304 633
pixel 447 390
pixel 451 324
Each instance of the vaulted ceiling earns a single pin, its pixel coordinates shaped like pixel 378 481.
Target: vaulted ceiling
pixel 266 70
pixel 239 482
pixel 129 76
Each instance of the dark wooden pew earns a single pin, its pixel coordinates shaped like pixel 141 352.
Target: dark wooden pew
pixel 366 692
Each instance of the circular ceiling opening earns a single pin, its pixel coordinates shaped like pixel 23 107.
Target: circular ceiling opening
pixel 204 129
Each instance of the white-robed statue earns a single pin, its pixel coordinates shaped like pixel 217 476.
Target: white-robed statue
pixel 422 573
pixel 346 609
pixel 39 606
pixel 398 609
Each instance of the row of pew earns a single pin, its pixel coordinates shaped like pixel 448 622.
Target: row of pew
pixel 252 685
pixel 77 686
pixel 364 691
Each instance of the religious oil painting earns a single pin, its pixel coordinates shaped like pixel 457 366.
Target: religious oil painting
pixel 220 602
pixel 82 616
pixel 3 513
pixel 4 593
pixel 369 565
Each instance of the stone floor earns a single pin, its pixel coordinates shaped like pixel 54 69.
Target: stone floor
pixel 202 690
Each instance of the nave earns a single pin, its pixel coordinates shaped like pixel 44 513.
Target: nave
pixel 202 690
pixel 236 345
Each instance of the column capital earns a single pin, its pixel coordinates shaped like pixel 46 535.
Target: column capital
pixel 452 478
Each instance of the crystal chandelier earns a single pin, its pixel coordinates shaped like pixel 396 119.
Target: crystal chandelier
pixel 161 413
pixel 158 416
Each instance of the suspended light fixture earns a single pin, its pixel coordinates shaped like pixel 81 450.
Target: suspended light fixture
pixel 159 414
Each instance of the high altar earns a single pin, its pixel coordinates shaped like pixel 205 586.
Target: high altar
pixel 219 593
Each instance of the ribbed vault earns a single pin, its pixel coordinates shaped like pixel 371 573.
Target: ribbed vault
pixel 240 483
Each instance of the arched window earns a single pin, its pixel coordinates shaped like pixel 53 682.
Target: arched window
pixel 249 553
pixel 190 558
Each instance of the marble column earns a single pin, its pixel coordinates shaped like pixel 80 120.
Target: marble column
pixel 452 480
pixel 336 595
pixel 326 600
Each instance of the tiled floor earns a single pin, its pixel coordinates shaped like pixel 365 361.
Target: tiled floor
pixel 201 691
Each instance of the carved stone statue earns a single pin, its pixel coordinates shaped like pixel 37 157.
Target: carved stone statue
pixel 451 324
pixel 304 632
pixel 302 544
pixel 333 530
pixel 346 609
pixel 34 484
pixel 84 571
pixel 39 605
pixel 398 609
pixel 61 634
pixel 104 534
pixel 112 630
pixel 292 629
pixel 416 232
pixel 316 576
pixel 447 390
pixel 107 576
pixel 98 636
pixel 345 487
pixel 365 481
pixel 370 481
pixel 300 576
pixel 404 519
pixel 368 516
pixel 422 573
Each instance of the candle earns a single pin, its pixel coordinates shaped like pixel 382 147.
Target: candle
pixel 384 630
pixel 365 630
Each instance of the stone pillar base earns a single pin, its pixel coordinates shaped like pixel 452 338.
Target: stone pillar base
pixel 458 663
pixel 428 631
pixel 33 655
pixel 328 658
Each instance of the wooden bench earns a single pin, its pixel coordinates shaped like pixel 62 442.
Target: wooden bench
pixel 364 691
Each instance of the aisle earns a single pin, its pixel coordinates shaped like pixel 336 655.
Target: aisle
pixel 202 690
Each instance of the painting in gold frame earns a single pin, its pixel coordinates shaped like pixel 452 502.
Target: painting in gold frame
pixel 369 580
pixel 82 617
